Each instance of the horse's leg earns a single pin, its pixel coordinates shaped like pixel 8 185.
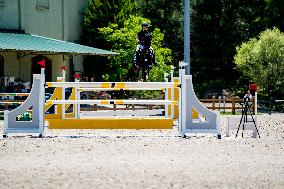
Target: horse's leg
pixel 153 58
pixel 147 72
pixel 144 72
pixel 129 75
pixel 137 73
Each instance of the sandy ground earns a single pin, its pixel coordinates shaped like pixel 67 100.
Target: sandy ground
pixel 144 159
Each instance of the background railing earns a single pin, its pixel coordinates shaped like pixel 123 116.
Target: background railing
pixel 225 104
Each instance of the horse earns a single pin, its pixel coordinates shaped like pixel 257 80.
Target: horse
pixel 143 60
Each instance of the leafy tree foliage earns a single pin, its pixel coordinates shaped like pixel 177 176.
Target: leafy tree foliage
pixel 274 14
pixel 217 27
pixel 262 61
pixel 98 14
pixel 124 42
pixel 168 16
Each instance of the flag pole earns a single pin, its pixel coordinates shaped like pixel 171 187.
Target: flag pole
pixel 187 36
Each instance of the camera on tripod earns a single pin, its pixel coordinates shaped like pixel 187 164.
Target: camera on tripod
pixel 246 101
pixel 246 110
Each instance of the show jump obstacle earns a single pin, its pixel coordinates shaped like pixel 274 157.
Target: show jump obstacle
pixel 188 106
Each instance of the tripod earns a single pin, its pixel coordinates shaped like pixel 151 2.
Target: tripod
pixel 244 119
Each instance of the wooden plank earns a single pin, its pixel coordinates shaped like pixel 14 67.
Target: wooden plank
pixel 112 123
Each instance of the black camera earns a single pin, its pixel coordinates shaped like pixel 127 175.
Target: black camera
pixel 246 102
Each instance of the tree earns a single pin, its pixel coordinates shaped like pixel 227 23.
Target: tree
pixel 168 16
pixel 99 14
pixel 262 61
pixel 217 27
pixel 274 14
pixel 123 40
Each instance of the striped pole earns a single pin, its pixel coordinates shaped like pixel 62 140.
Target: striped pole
pixel 5 102
pixel 108 102
pixel 118 85
pixel 121 89
pixel 14 94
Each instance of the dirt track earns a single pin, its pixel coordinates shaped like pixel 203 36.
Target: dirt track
pixel 144 159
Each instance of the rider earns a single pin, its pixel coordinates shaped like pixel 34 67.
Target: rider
pixel 144 37
pixel 144 40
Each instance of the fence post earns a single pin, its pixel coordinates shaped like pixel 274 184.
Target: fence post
pixel 224 104
pixel 95 107
pixel 233 107
pixel 213 103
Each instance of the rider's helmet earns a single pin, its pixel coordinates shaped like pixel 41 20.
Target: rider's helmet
pixel 144 24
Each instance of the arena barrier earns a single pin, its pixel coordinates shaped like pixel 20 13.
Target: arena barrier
pixel 106 86
pixel 171 110
pixel 186 104
pixel 112 122
pixel 34 101
pixel 189 102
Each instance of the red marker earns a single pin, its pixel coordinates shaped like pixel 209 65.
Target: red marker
pixel 76 76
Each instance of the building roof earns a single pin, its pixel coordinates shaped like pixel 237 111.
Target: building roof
pixel 44 45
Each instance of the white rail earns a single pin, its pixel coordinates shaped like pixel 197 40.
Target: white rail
pixel 120 85
pixel 14 94
pixel 8 102
pixel 121 89
pixel 107 102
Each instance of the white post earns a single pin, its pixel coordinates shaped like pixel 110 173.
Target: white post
pixel 63 93
pixel 172 71
pixel 75 91
pixel 172 99
pixel 5 122
pixel 77 97
pixel 166 95
pixel 182 100
pixel 228 127
pixel 64 75
pixel 254 134
pixel 179 98
pixel 172 92
pixel 42 101
pixel 63 98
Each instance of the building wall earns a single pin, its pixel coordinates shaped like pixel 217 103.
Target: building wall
pixel 21 67
pixel 9 15
pixel 75 15
pixel 42 21
pixel 58 19
pixel 11 66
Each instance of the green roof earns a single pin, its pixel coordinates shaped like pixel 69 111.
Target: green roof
pixel 44 45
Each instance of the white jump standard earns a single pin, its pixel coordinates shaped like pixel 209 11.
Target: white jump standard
pixel 188 101
pixel 34 100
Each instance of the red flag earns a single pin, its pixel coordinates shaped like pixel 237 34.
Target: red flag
pixel 63 68
pixel 76 76
pixel 41 63
pixel 253 87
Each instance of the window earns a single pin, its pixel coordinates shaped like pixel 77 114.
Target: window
pixel 2 3
pixel 42 4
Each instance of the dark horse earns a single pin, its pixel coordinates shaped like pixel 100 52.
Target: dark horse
pixel 143 60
